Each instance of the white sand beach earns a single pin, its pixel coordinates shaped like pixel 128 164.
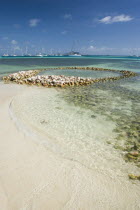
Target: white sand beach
pixel 34 178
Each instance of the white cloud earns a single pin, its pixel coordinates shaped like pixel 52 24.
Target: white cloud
pixel 5 38
pixel 17 48
pixel 106 20
pixel 91 47
pixel 64 32
pixel 116 19
pixel 14 42
pixel 68 16
pixel 34 22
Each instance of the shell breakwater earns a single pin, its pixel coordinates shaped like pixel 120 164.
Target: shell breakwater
pixel 31 77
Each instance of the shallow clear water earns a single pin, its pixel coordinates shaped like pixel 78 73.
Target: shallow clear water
pixel 83 124
pixel 80 73
pixel 90 124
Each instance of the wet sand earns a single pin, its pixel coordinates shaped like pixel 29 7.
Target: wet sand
pixel 34 178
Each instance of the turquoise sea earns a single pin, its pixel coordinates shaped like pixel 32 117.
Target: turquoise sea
pixel 96 125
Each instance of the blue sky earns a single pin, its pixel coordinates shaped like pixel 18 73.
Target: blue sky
pixel 88 26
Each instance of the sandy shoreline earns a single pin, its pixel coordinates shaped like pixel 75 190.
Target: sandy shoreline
pixel 34 178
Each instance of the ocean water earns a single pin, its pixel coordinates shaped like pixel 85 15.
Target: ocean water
pixel 93 125
pixel 8 65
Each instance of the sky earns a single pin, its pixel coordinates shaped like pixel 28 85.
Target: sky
pixel 52 26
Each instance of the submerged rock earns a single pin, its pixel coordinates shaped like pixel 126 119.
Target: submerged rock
pixel 134 177
pixel 134 153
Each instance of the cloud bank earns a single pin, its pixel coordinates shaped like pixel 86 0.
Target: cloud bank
pixel 104 50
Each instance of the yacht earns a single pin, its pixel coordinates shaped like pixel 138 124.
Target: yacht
pixel 39 55
pixel 74 54
pixel 5 55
